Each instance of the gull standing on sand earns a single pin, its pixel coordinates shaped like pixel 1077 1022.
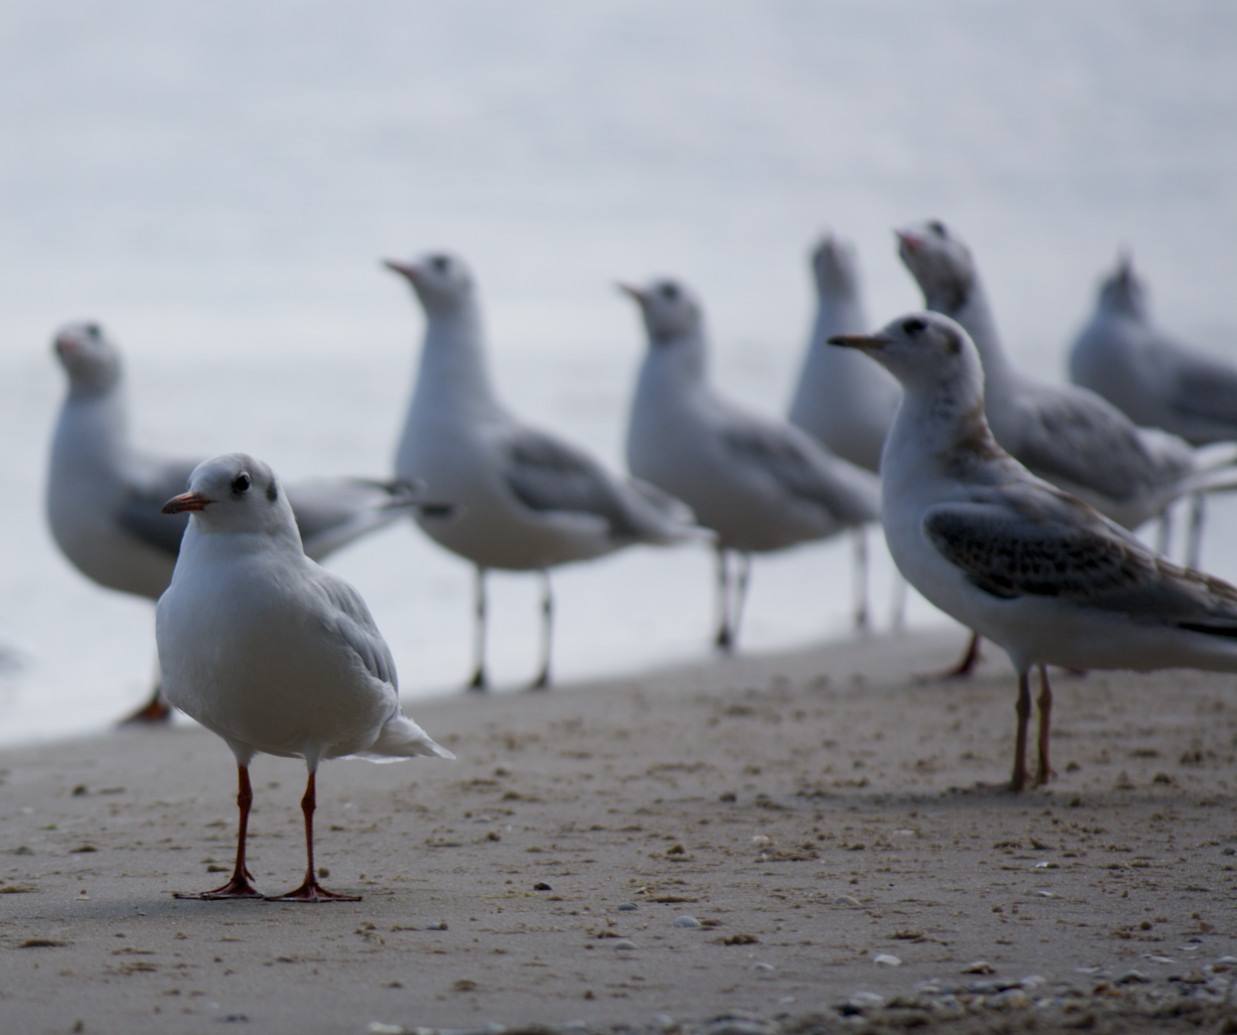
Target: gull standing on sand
pixel 1065 434
pixel 760 484
pixel 842 400
pixel 103 494
pixel 528 501
pixel 1034 569
pixel 272 652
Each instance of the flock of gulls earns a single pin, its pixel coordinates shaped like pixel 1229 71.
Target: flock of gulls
pixel 1007 502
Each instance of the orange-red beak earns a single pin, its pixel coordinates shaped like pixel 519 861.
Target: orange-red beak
pixel 186 501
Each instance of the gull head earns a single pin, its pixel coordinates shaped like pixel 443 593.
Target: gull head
pixel 235 493
pixel 835 267
pixel 927 352
pixel 940 263
pixel 671 312
pixel 1124 290
pixel 88 357
pixel 442 281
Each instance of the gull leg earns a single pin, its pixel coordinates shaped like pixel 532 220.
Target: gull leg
pixel 1164 532
pixel 479 680
pixel 1023 710
pixel 1045 773
pixel 966 664
pixel 155 710
pixel 742 577
pixel 547 627
pixel 897 613
pixel 310 890
pixel 724 641
pixel 238 886
pixel 860 588
pixel 1194 539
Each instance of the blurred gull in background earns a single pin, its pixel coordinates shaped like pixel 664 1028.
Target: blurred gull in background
pixel 103 494
pixel 760 484
pixel 841 399
pixel 528 500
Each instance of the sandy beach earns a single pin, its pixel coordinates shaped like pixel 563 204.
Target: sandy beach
pixel 813 841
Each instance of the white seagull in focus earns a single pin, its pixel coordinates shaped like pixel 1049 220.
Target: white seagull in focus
pixel 840 399
pixel 104 494
pixel 528 501
pixel 1032 568
pixel 271 652
pixel 760 484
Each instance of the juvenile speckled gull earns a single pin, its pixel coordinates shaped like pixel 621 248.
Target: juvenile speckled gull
pixel 760 484
pixel 104 494
pixel 1032 568
pixel 528 500
pixel 272 652
pixel 1065 434
pixel 842 400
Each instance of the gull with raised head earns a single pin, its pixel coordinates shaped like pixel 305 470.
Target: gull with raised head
pixel 1063 433
pixel 104 494
pixel 1153 377
pixel 1032 568
pixel 760 484
pixel 270 651
pixel 528 501
pixel 841 399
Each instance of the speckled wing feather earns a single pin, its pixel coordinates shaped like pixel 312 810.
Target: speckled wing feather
pixel 1033 541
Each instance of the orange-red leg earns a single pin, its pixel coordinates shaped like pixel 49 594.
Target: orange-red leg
pixel 238 886
pixel 310 890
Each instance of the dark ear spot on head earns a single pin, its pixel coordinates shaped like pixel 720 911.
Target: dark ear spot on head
pixel 272 491
pixel 953 344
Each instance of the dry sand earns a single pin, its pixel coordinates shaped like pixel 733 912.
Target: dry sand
pixel 833 827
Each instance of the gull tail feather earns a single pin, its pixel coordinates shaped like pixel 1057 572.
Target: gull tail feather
pixel 403 738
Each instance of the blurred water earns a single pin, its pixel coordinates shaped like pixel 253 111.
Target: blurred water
pixel 216 185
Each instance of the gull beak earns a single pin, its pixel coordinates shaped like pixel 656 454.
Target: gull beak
pixel 186 501
pixel 404 268
pixel 908 240
pixel 862 342
pixel 631 291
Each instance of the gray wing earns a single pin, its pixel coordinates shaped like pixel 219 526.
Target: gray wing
pixel 1205 387
pixel 547 474
pixel 349 619
pixel 794 462
pixel 332 512
pixel 146 491
pixel 1032 541
pixel 1076 437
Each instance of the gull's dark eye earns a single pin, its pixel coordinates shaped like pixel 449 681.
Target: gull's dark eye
pixel 93 330
pixel 914 325
pixel 938 228
pixel 241 483
pixel 670 292
pixel 439 263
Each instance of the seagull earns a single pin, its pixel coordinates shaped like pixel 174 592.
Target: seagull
pixel 1153 378
pixel 528 501
pixel 1065 434
pixel 272 652
pixel 1149 375
pixel 103 494
pixel 1029 566
pixel 841 399
pixel 760 484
